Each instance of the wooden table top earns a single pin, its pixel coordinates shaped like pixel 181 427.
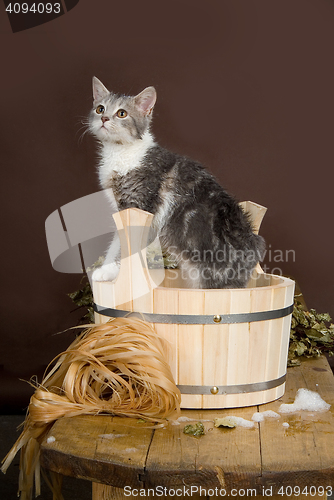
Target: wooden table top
pixel 124 452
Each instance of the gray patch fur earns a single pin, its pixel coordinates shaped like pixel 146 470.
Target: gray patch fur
pixel 198 222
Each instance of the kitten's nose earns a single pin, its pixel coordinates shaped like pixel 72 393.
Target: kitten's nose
pixel 105 119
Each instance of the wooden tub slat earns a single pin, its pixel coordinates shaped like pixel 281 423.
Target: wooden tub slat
pixel 231 356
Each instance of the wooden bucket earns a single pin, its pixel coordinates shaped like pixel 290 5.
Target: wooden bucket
pixel 226 348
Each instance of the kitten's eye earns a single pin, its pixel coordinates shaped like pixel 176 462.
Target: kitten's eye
pixel 100 110
pixel 121 113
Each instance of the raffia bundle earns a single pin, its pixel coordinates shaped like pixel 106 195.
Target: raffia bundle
pixel 118 367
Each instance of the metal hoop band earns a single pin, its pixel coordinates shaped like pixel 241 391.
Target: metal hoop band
pixel 196 319
pixel 231 389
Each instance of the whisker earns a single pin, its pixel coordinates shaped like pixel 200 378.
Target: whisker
pixel 85 126
pixel 83 135
pixel 83 120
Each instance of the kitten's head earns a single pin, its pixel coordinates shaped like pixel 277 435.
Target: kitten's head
pixel 120 119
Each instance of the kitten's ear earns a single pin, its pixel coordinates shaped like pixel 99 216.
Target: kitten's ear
pixel 99 90
pixel 145 101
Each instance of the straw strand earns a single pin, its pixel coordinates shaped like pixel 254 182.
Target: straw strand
pixel 118 367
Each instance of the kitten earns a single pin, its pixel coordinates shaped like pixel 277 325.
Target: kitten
pixel 199 224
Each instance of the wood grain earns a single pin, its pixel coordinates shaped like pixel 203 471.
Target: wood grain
pixel 220 458
pixel 263 457
pixel 190 347
pixel 110 450
pixel 165 302
pixel 216 353
pixel 210 355
pixel 303 453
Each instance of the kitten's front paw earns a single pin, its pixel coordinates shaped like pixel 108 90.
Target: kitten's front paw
pixel 108 272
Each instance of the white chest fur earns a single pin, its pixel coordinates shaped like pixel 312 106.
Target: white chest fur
pixel 122 158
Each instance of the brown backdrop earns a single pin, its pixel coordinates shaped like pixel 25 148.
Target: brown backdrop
pixel 246 87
